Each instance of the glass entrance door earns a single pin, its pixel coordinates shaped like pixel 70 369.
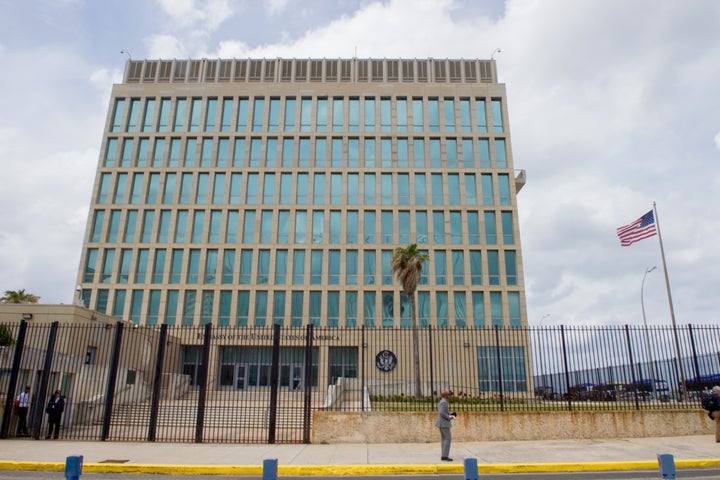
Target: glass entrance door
pixel 240 377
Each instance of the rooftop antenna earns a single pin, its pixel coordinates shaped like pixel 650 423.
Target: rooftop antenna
pixel 492 55
pixel 125 52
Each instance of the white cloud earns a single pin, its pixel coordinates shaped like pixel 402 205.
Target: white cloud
pixel 165 46
pixel 717 140
pixel 275 7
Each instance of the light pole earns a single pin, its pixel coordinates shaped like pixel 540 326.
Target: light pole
pixel 647 335
pixel 542 363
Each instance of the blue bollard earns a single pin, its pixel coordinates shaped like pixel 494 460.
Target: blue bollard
pixel 666 463
pixel 471 470
pixel 73 467
pixel 270 467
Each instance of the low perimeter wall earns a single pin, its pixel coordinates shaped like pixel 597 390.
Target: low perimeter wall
pixel 406 427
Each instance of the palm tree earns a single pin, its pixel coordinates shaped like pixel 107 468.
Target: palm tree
pixel 19 296
pixel 407 264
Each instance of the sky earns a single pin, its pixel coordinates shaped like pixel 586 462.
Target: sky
pixel 613 105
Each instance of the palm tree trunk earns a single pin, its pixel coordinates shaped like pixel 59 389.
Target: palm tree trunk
pixel 416 346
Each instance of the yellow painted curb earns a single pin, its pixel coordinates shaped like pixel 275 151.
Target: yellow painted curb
pixel 345 470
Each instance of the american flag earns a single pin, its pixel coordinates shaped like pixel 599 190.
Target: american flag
pixel 641 228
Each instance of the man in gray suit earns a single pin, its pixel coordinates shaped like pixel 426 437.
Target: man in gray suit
pixel 443 423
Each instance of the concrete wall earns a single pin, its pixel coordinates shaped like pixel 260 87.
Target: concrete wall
pixel 408 427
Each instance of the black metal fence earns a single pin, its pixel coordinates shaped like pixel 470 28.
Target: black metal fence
pixel 260 385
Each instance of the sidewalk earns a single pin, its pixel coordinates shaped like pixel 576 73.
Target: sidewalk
pixel 361 459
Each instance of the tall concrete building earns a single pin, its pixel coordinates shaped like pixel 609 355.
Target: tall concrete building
pixel 254 192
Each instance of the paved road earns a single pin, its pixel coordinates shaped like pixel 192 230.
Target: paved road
pixel 695 474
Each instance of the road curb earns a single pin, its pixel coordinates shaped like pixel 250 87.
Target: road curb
pixel 358 470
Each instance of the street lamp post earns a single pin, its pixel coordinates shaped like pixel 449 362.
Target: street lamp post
pixel 647 335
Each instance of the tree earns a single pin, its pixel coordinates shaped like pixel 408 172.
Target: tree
pixel 407 264
pixel 20 296
pixel 6 338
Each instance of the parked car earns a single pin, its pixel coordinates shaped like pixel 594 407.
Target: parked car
pixel 647 389
pixel 587 392
pixel 544 392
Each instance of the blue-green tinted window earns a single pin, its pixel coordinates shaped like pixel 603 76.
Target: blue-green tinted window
pixel 142 152
pixel 90 265
pixel 111 152
pixel 159 266
pixel 228 267
pixel 271 152
pixel 119 304
pixel 300 226
pixel 239 153
pixel 386 267
pixel 298 271
pixel 281 261
pixel 458 267
pixel 369 117
pixel 478 309
pixel 456 228
pixel 386 152
pixel 320 152
pixel 211 263
pixel 164 226
pixel 164 115
pixel 258 114
pixel 497 117
pixel 493 267
pixel 202 188
pixel 433 115
pixel 475 268
pixel 401 114
pixel 354 115
pixel 136 300
pixel 510 267
pixel 195 108
pixel 251 192
pixel 369 309
pixel 117 115
pixel 385 115
pixel 304 153
pixel 286 184
pixel 242 115
pixel 470 189
pixel 206 306
pixel 369 267
pixel 245 267
pixel 126 158
pixel 504 189
pixel 468 153
pixel 96 233
pixel 223 152
pixel 369 225
pixel 369 181
pixel 319 189
pixel 174 159
pixel 440 264
pixel 289 122
pixel 263 267
pixel 454 192
pixel 496 310
pixel 153 312
pixel 460 309
pixel 421 227
pixel 321 115
pixel 269 189
pixel 169 192
pixel 215 224
pixel 315 309
pixel 500 155
pixel 305 115
pixel 302 189
pixel 318 226
pixel 249 227
pixel 336 150
pixel 351 267
pixel 147 228
pixel 224 311
pixel 171 308
pixel 405 318
pixel 120 188
pixel 435 156
pixel 465 122
pixel 190 152
pixel 273 115
pixel 296 309
pixel 351 309
pixel 266 226
pixel 436 182
pixel 243 308
pixel 353 188
pixel 514 309
pixel 114 226
pixel 333 276
pixel 449 114
pixel 231 229
pixel 130 226
pixel 219 189
pixel 403 181
pixel 185 188
pixel 316 267
pixel 402 152
pixel 507 228
pixel 388 309
pixel 487 189
pixel 386 226
pixel 335 226
pixel 490 228
pixel 417 115
pixel 188 310
pixel 179 122
pixel 206 153
pixel 451 154
pixel 338 114
pixel 370 152
pixel 235 188
pixel 176 264
pixel 211 114
pixel 193 271
pixel 288 145
pixel 420 190
pixel 226 120
pixel 423 309
pixel 255 152
pixel 158 152
pixel 480 115
pixel 473 228
pixel 278 308
pixel 512 372
pixel 386 190
pixel 441 309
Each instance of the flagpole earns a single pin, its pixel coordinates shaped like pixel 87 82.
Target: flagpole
pixel 672 310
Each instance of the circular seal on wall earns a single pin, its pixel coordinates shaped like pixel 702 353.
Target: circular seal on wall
pixel 386 361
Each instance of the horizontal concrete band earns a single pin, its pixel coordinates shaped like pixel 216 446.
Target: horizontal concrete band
pixel 344 470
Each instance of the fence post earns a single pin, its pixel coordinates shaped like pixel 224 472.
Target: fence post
pixel 499 368
pixel 274 382
pixel 203 384
pixel 157 383
pixel 635 385
pixel 694 352
pixel 432 372
pixel 363 348
pixel 307 405
pixel 44 380
pixel 112 378
pixel 566 367
pixel 14 373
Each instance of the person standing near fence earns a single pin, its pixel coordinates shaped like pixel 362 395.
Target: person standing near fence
pixel 55 408
pixel 444 424
pixel 22 402
pixel 712 405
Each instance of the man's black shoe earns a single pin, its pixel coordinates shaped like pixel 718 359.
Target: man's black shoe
pixel 446 459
